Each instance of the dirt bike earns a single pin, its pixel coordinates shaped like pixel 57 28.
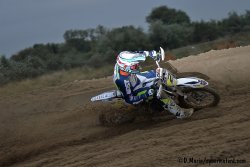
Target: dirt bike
pixel 190 92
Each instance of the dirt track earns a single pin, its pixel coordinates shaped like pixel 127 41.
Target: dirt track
pixel 58 126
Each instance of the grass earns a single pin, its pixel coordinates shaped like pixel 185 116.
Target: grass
pixel 54 79
pixel 240 39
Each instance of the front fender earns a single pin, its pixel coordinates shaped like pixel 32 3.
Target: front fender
pixel 191 82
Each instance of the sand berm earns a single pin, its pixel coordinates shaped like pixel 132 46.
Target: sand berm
pixel 58 126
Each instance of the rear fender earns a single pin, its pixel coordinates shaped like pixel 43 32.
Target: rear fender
pixel 107 96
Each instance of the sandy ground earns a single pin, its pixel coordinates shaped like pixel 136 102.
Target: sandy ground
pixel 58 126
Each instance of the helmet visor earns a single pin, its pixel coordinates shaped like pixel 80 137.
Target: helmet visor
pixel 134 67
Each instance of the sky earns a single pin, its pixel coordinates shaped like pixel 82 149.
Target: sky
pixel 24 23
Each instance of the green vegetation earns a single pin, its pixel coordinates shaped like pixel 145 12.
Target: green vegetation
pixel 98 47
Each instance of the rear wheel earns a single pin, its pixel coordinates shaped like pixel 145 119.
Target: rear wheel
pixel 199 98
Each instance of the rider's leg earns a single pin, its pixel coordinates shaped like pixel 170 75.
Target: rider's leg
pixel 170 105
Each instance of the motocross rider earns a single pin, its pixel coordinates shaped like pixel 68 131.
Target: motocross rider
pixel 135 86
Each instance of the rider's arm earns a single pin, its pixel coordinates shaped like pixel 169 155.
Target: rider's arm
pixel 153 54
pixel 125 87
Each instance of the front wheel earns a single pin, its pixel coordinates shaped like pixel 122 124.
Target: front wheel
pixel 199 98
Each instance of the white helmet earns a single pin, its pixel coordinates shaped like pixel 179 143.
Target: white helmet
pixel 129 61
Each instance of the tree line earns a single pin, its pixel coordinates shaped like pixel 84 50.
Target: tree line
pixel 97 47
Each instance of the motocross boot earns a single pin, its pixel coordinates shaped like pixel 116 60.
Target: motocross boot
pixel 185 113
pixel 179 112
